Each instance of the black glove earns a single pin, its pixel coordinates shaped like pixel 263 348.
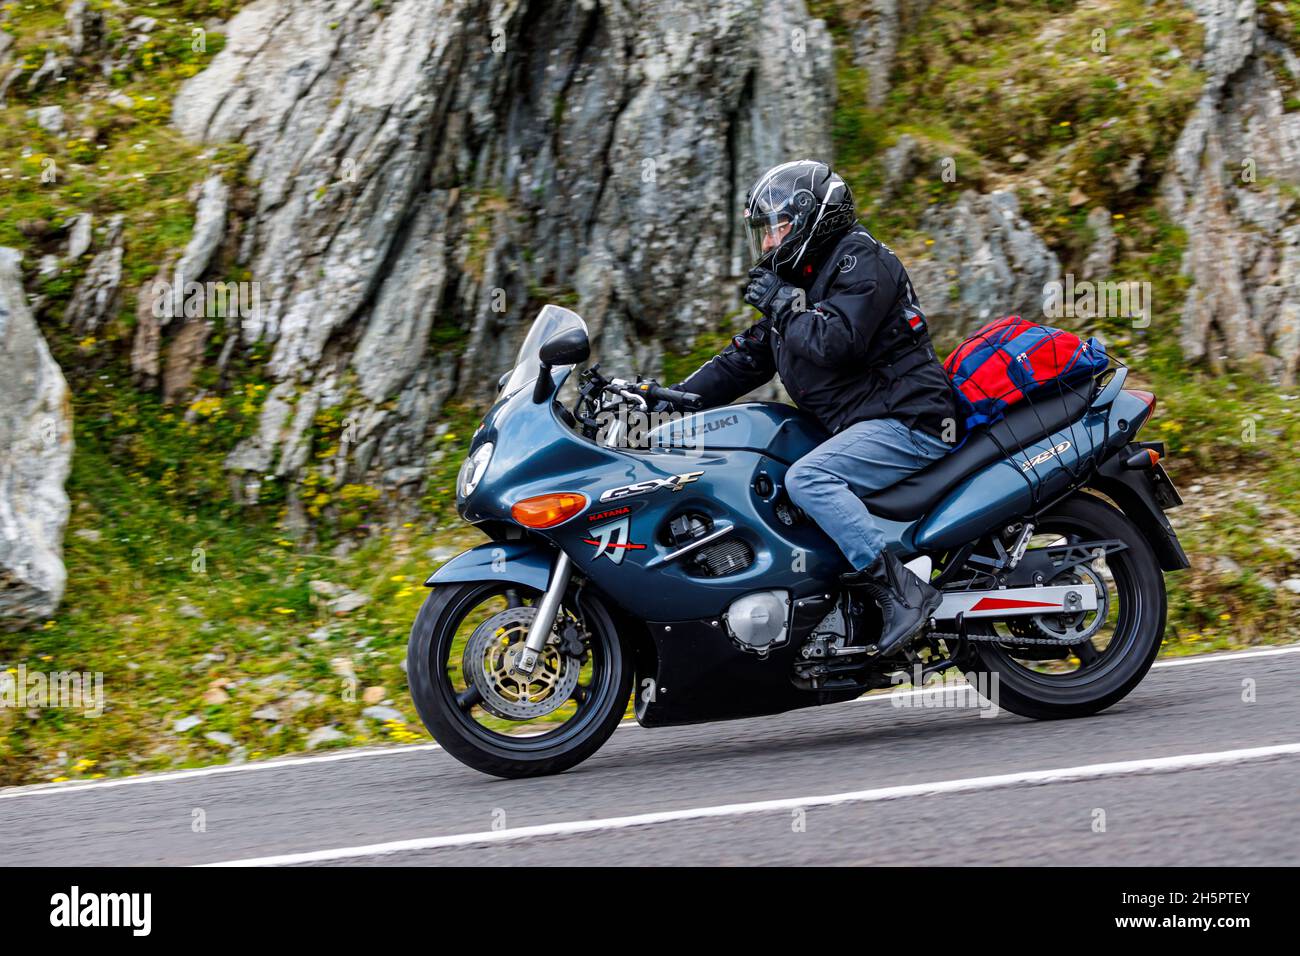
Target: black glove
pixel 771 296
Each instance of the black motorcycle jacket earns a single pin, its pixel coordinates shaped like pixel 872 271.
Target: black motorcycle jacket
pixel 860 351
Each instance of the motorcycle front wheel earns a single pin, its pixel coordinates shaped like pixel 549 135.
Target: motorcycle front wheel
pixel 460 667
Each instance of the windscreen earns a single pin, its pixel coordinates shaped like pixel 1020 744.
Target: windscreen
pixel 528 366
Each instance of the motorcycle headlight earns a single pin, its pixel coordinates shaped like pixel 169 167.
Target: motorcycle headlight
pixel 472 470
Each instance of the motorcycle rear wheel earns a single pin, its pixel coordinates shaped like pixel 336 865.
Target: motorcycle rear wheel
pixel 1030 688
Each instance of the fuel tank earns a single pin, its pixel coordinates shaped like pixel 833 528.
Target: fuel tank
pixel 779 431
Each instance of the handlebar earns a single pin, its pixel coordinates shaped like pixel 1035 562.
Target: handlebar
pixel 687 400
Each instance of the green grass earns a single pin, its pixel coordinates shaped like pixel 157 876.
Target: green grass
pixel 187 602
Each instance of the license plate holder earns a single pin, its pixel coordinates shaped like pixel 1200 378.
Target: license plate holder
pixel 1166 494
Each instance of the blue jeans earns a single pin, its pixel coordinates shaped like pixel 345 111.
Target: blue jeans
pixel 827 482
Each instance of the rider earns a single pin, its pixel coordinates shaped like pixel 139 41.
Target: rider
pixel 842 327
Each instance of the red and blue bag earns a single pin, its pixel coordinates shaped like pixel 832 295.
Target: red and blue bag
pixel 1011 359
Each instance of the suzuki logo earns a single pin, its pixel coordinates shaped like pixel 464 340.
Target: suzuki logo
pixel 1044 456
pixel 611 541
pixel 718 424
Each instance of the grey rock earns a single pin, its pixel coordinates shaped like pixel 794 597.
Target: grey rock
pixel 300 700
pixel 187 723
pixel 220 737
pixel 85 27
pixel 11 74
pixel 381 713
pixel 80 235
pixel 270 712
pixel 1226 567
pixel 94 300
pixel 209 227
pixel 171 298
pixel 49 118
pixel 876 39
pixel 404 169
pixel 1101 255
pixel 900 163
pixel 347 602
pixel 36 435
pixel 51 68
pixel 1230 185
pixel 398 477
pixel 986 261
pixel 1292 585
pixel 324 735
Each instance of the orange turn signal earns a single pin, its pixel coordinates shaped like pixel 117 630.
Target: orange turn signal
pixel 546 511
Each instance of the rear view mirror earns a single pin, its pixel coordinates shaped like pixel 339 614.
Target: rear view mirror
pixel 565 348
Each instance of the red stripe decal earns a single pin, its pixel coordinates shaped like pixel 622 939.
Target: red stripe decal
pixel 1006 604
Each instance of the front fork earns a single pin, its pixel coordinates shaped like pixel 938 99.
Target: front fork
pixel 547 608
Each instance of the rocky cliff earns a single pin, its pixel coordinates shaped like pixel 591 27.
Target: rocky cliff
pixel 36 436
pixel 429 173
pixel 1233 185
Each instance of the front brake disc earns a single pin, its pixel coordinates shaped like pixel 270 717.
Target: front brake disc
pixel 489 664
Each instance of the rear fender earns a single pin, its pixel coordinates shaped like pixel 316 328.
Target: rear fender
pixel 1134 491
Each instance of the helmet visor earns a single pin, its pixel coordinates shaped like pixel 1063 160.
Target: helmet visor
pixel 765 232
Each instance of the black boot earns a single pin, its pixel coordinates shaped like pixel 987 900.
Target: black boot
pixel 906 602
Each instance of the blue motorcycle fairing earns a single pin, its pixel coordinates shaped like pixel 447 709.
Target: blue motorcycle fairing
pixel 527 562
pixel 535 453
pixel 621 543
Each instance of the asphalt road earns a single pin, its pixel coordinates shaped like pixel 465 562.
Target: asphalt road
pixel 1185 771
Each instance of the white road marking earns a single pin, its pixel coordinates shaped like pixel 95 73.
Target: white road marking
pixel 1215 658
pixel 969 784
pixel 170 775
pixel 1227 656
pixel 286 763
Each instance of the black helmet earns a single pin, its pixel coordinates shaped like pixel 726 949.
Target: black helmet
pixel 814 203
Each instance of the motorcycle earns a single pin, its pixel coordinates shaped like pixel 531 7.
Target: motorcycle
pixel 678 565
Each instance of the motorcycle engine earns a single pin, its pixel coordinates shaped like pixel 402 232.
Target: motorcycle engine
pixel 758 622
pixel 729 555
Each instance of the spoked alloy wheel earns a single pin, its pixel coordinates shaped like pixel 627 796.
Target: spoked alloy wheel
pixel 460 663
pixel 1111 648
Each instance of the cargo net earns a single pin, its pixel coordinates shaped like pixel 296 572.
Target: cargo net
pixel 1020 383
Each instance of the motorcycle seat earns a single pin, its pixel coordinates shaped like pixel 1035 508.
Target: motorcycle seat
pixel 1022 425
